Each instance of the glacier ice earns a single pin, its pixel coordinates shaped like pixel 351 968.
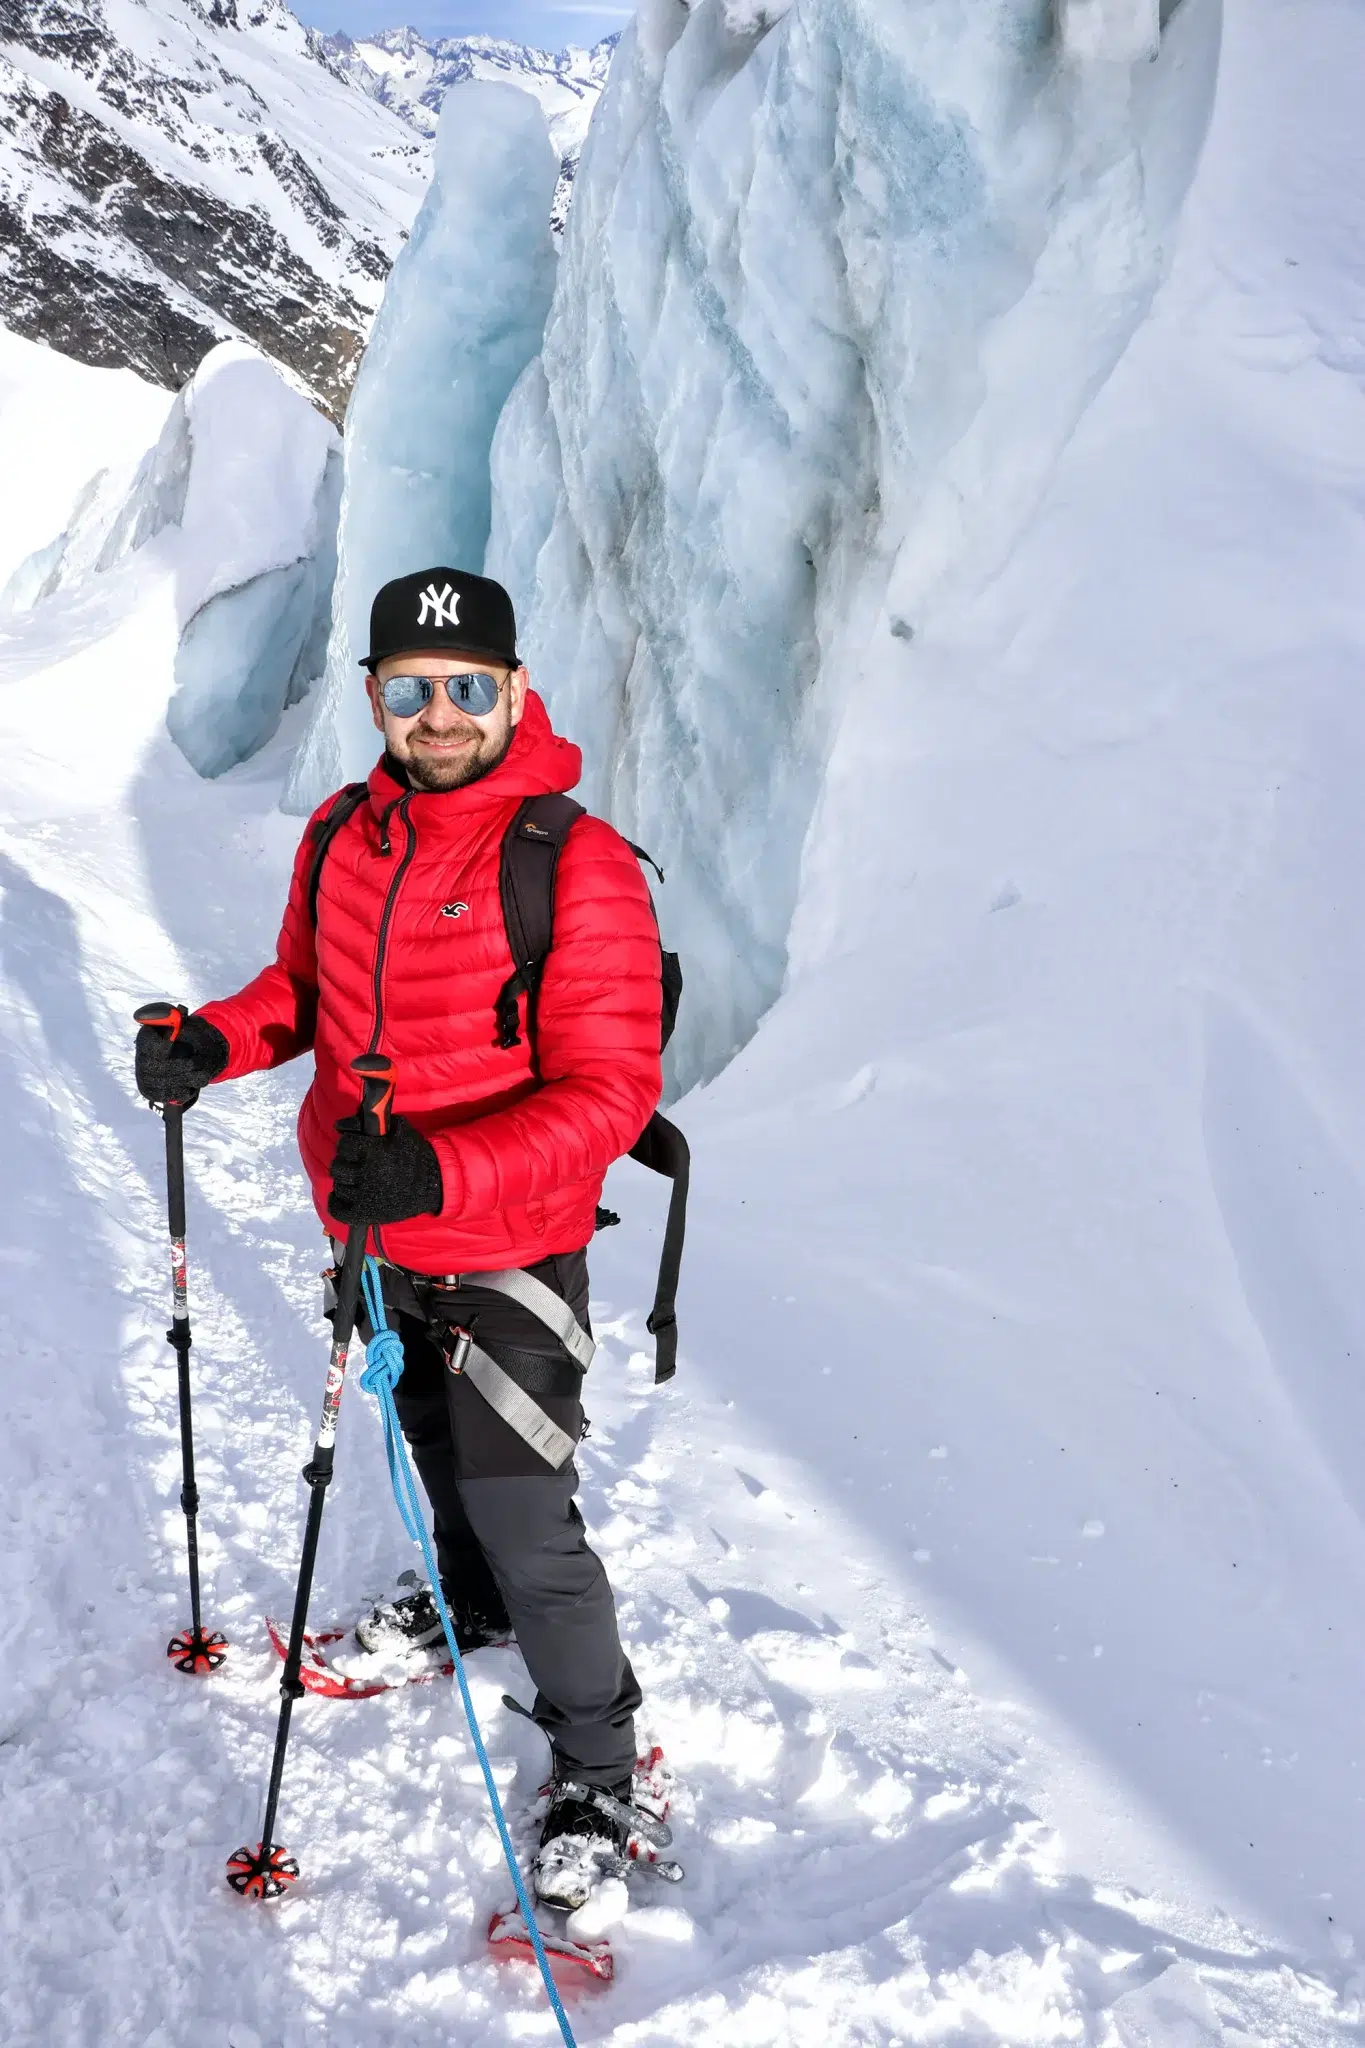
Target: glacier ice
pixel 463 314
pixel 238 504
pixel 839 280
pixel 250 652
pixel 256 639
pixel 256 558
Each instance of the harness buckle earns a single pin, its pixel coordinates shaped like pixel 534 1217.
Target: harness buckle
pixel 455 1344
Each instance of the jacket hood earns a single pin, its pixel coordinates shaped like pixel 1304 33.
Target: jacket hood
pixel 537 763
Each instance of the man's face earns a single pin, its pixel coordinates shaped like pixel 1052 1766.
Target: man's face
pixel 443 747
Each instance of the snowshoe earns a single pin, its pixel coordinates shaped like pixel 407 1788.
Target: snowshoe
pixel 571 1962
pixel 590 1841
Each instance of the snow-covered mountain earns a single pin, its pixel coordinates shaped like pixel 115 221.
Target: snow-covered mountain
pixel 174 173
pixel 412 75
pixel 178 172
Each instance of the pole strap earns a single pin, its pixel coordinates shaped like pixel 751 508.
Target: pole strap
pixel 383 1370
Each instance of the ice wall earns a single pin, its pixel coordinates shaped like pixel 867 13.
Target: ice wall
pixel 237 505
pixel 255 557
pixel 463 314
pixel 839 279
pixel 251 651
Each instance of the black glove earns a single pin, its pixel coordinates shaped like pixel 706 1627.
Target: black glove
pixel 174 1070
pixel 384 1180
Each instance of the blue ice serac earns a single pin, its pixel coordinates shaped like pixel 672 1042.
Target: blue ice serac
pixel 462 316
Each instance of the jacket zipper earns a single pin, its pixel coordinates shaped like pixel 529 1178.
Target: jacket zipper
pixel 383 938
pixel 386 915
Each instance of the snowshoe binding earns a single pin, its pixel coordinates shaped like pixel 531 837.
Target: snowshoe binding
pixel 411 1621
pixel 591 1839
pixel 399 1642
pixel 585 1838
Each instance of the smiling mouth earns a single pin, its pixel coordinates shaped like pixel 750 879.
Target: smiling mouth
pixel 444 746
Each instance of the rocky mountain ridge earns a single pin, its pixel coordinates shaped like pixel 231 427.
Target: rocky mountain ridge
pixel 174 173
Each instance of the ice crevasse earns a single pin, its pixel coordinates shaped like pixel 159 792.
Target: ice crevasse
pixel 839 279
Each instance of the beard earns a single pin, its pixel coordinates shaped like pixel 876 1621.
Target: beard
pixel 436 773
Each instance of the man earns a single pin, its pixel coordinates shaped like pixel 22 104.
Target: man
pixel 496 1153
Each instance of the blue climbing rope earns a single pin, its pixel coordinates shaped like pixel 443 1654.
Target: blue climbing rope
pixel 383 1370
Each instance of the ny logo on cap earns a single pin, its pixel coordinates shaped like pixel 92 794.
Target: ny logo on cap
pixel 439 607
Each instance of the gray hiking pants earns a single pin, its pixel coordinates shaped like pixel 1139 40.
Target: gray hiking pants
pixel 510 1541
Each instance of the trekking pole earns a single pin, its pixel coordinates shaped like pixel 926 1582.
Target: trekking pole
pixel 192 1650
pixel 265 1871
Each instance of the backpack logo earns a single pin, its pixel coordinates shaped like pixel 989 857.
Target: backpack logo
pixel 439 607
pixel 454 909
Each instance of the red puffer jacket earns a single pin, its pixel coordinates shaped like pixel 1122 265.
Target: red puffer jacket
pixel 410 954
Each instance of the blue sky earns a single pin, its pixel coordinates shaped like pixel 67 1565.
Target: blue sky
pixel 547 24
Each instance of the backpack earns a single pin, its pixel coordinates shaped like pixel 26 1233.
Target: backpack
pixel 531 848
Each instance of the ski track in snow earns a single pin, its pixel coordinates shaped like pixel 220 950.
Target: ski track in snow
pixel 862 1864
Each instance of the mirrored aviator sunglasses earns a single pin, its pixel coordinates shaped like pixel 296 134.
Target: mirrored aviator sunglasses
pixel 405 696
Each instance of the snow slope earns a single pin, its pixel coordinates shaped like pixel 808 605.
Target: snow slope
pixel 1024 1265
pixel 111 416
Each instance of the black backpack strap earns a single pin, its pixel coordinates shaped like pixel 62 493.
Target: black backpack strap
pixel 662 1147
pixel 647 858
pixel 325 831
pixel 531 848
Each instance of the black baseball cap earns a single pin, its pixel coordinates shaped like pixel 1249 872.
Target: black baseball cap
pixel 443 611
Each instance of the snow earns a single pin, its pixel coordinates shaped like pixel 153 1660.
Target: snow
pixel 1023 1260
pixel 837 283
pixel 49 405
pixel 412 74
pixel 462 317
pixel 234 511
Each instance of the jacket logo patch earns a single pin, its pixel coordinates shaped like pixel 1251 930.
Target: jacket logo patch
pixel 454 909
pixel 439 607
